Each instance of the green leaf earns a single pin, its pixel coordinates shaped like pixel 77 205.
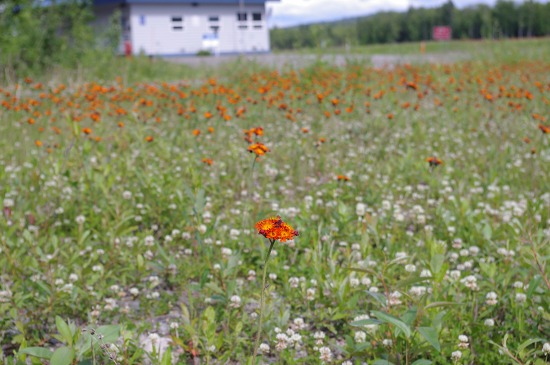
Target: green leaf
pixel 436 263
pixel 388 318
pixel 167 357
pixel 487 232
pixel 526 344
pixel 366 322
pixel 39 352
pixel 62 356
pixel 64 330
pixel 378 297
pixel 430 334
pixel 409 316
pixel 110 333
pixel 440 304
pixel 533 284
pixel 422 362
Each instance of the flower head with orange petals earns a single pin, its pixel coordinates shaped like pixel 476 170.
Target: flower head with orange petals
pixel 258 148
pixel 274 229
pixel 434 161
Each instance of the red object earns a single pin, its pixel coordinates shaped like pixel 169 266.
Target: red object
pixel 127 48
pixel 441 33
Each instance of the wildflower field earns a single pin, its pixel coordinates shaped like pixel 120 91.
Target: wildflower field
pixel 402 216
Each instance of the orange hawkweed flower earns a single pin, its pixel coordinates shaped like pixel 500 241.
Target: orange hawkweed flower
pixel 258 148
pixel 342 178
pixel 208 161
pixel 274 229
pixel 87 130
pixel 196 132
pixel 434 161
pixel 149 139
pixel 38 143
pixel 544 128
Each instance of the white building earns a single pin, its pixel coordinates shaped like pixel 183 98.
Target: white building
pixel 186 27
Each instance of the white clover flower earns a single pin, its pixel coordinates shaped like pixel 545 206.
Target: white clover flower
pixel 417 291
pixel 80 219
pixel 546 348
pixel 521 298
pixel 456 355
pixel 353 282
pixel 97 268
pixel 425 273
pixel 149 241
pixel 282 341
pixel 202 229
pixel 73 277
pixel 264 348
pixel 299 323
pixel 410 268
pixel 294 282
pixel 235 301
pixel 319 336
pixel 491 298
pixel 387 342
pixel 394 298
pixel 326 354
pixel 360 209
pixel 366 281
pixel 463 338
pixel 174 325
pixel 8 203
pixel 360 336
pixel 127 195
pixel 489 322
pixel 470 282
pixel 518 285
pixel 273 276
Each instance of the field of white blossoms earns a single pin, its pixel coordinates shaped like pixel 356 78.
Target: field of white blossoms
pixel 410 217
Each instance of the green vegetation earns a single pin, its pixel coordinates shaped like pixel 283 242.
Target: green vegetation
pixel 505 20
pixel 134 195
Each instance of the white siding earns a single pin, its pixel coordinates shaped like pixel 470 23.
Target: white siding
pixel 153 34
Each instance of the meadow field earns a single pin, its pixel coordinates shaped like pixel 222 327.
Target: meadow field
pixel 407 208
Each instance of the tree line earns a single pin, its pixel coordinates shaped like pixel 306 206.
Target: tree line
pixel 505 19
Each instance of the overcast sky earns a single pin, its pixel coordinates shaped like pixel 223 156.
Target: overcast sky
pixel 286 13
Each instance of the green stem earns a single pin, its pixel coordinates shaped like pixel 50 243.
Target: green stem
pixel 259 334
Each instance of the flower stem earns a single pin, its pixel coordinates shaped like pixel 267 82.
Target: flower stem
pixel 259 334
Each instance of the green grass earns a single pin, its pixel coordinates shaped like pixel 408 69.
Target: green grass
pixel 119 239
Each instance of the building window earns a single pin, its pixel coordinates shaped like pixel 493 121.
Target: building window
pixel 256 17
pixel 177 23
pixel 213 18
pixel 257 27
pixel 215 29
pixel 243 27
pixel 241 17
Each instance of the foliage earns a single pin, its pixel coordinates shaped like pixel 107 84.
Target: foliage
pixel 420 194
pixel 504 19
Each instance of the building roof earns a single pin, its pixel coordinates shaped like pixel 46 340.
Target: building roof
pixel 198 2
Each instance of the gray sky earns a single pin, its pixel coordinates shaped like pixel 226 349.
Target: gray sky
pixel 293 12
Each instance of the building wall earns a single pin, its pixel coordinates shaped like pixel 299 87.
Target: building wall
pixel 176 29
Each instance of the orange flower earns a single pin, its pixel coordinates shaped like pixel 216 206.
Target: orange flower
pixel 87 130
pixel 342 178
pixel 196 132
pixel 434 161
pixel 274 229
pixel 258 148
pixel 149 139
pixel 121 124
pixel 544 128
pixel 38 143
pixel 208 161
